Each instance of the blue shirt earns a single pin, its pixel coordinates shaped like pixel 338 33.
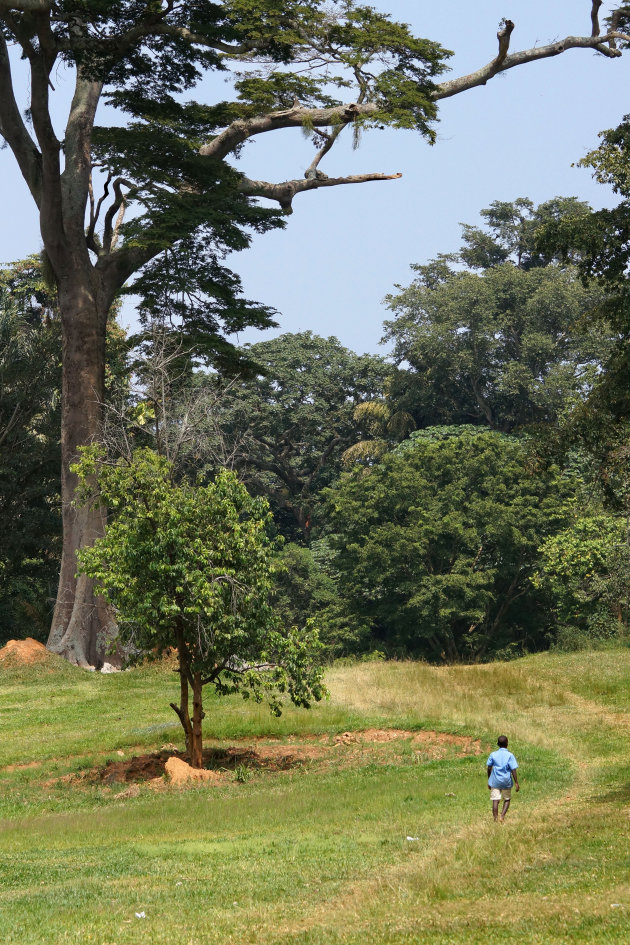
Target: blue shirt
pixel 503 763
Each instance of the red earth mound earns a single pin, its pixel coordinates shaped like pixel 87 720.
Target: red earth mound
pixel 24 652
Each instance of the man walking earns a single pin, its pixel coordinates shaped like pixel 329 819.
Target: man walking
pixel 502 774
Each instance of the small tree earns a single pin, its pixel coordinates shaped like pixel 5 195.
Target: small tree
pixel 191 566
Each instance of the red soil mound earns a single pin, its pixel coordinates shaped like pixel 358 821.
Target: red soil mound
pixel 24 652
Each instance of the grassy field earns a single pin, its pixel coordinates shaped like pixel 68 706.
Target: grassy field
pixel 319 834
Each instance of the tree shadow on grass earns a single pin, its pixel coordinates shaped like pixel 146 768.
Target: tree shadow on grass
pixel 618 795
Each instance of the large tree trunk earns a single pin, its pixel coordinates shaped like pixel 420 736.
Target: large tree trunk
pixel 81 626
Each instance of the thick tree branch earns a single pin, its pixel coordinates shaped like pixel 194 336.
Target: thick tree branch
pixel 47 39
pixel 340 116
pixel 41 63
pixel 334 443
pixel 294 117
pixel 15 132
pixel 285 192
pixel 504 40
pixel 504 61
pixel 180 32
pixel 118 265
pixel 40 109
pixel 51 208
pixel 109 228
pixel 78 145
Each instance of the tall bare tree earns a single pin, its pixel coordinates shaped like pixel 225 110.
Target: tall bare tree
pixel 316 65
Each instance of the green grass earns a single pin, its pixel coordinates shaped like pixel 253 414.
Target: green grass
pixel 318 854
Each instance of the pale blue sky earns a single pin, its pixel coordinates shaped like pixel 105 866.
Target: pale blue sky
pixel 345 248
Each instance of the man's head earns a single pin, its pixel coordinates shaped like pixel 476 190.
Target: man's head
pixel 502 741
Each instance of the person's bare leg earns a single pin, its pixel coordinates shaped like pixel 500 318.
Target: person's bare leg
pixel 495 810
pixel 506 804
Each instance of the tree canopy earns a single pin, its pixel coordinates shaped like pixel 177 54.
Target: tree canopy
pixel 30 521
pixel 436 545
pixel 586 570
pixel 293 421
pixel 498 333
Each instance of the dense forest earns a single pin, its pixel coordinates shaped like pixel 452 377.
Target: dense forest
pixel 463 497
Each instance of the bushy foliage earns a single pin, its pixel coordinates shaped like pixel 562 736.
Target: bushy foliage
pixel 586 570
pixel 307 589
pixel 601 241
pixel 30 520
pixel 436 545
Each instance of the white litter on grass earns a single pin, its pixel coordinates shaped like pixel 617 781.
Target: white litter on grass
pixel 616 905
pixel 141 915
pixel 411 839
pixel 179 884
pixel 108 668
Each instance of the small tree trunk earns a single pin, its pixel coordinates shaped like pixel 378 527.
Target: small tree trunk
pixel 192 728
pixel 196 752
pixel 182 712
pixel 82 625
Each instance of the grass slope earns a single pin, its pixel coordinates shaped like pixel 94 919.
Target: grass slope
pixel 318 854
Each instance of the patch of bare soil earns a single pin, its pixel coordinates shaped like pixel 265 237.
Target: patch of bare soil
pixel 23 765
pixel 348 748
pixel 132 770
pixel 24 652
pixel 218 763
